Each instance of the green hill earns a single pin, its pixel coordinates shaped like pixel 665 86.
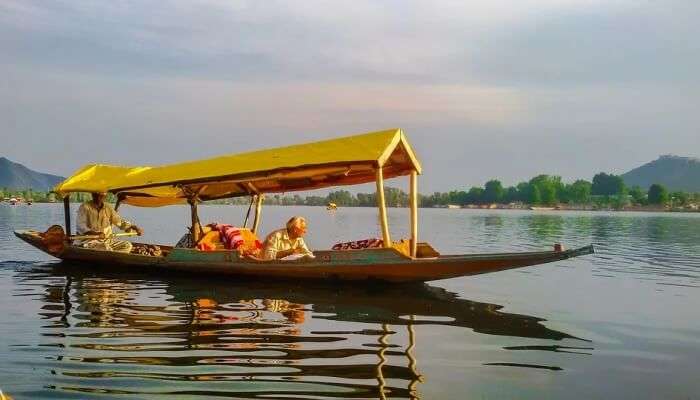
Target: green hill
pixel 17 176
pixel 676 173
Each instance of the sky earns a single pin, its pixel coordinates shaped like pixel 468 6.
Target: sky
pixel 483 89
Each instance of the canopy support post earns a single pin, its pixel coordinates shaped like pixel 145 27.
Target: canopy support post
pixel 195 220
pixel 414 212
pixel 247 214
pixel 66 213
pixel 258 211
pixel 381 203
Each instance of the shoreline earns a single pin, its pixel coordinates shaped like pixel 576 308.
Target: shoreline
pixel 502 207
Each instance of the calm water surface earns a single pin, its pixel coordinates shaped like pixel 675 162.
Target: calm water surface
pixel 623 323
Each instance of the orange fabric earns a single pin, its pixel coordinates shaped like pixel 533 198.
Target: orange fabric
pixel 210 241
pixel 250 243
pixel 235 238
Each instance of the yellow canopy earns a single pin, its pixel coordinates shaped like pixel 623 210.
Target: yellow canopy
pixel 348 160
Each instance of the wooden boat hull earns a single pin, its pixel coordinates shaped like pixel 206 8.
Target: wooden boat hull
pixel 355 265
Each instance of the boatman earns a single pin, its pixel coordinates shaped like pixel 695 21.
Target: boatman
pixel 287 242
pixel 96 217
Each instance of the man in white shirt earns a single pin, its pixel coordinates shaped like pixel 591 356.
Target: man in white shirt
pixel 96 217
pixel 287 241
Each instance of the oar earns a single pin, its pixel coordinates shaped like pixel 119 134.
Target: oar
pixel 90 237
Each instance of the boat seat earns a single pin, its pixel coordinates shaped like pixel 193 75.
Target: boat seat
pixel 403 246
pixel 425 250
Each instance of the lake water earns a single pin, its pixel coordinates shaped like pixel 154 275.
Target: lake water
pixel 621 324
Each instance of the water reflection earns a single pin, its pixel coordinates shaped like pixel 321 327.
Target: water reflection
pixel 124 335
pixel 82 334
pixel 544 228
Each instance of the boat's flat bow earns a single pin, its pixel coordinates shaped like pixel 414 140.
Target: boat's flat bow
pixel 581 251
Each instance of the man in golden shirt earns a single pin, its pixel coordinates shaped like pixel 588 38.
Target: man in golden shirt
pixel 287 241
pixel 96 217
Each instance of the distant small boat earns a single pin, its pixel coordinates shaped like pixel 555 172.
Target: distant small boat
pixel 541 208
pixel 13 201
pixel 331 206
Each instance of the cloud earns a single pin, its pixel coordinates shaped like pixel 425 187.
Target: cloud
pixel 615 46
pixel 501 88
pixel 409 41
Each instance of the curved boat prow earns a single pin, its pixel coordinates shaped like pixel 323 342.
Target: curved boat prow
pixel 582 251
pixel 453 266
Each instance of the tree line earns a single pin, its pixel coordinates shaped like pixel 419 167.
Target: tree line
pixel 46 197
pixel 604 190
pixel 27 194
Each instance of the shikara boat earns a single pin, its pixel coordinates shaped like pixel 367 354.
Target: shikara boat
pixel 352 160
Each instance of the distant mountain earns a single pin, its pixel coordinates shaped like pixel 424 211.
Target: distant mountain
pixel 17 176
pixel 675 173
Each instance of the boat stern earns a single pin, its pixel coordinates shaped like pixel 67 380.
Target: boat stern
pixel 38 240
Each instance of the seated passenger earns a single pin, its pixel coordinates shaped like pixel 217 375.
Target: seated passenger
pixel 95 217
pixel 287 241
